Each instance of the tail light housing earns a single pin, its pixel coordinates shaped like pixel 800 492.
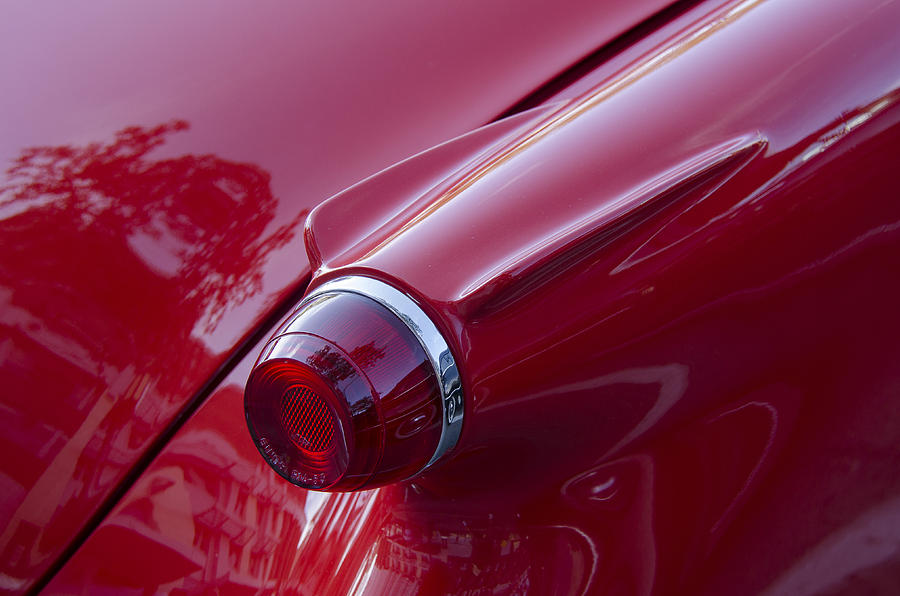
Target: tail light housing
pixel 356 389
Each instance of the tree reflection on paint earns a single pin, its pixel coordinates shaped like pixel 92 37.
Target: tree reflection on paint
pixel 115 260
pixel 209 213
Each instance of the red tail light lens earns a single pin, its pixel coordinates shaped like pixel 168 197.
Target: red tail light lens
pixel 297 421
pixel 354 390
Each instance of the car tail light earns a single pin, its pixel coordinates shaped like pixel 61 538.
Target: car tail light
pixel 356 389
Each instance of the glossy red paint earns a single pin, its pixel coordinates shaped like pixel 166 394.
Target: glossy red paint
pixel 678 320
pixel 163 156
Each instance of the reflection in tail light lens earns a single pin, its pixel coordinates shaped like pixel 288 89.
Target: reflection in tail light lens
pixel 345 397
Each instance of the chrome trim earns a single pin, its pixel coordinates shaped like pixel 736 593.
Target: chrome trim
pixel 429 336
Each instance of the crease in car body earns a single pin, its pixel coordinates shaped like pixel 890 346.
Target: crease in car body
pixel 165 436
pixel 569 248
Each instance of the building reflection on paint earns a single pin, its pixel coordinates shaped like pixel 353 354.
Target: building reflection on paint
pixel 102 342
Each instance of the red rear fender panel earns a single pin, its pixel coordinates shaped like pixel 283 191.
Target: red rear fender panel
pixel 160 158
pixel 669 220
pixel 673 302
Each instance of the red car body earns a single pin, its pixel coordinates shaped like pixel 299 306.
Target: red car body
pixel 670 275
